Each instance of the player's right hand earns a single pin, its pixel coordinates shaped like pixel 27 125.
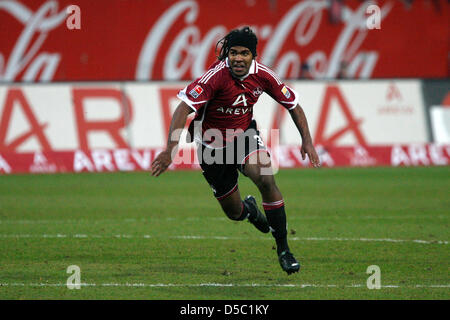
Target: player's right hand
pixel 161 163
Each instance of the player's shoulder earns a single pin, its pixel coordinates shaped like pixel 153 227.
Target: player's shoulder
pixel 267 73
pixel 215 72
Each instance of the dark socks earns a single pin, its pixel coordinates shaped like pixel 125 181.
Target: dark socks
pixel 276 216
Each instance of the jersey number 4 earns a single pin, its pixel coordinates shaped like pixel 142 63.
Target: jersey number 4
pixel 240 99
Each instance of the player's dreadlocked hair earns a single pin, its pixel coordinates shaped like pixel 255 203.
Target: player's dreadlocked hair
pixel 244 37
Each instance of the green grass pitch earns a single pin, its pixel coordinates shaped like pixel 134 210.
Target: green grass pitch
pixel 134 236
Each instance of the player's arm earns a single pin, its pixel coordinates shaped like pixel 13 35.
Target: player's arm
pixel 288 98
pixel 164 159
pixel 299 118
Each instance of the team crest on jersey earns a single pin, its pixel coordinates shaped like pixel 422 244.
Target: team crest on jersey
pixel 286 92
pixel 196 91
pixel 257 92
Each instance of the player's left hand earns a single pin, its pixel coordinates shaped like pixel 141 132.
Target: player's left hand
pixel 308 149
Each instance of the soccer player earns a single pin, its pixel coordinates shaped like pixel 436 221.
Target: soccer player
pixel 228 140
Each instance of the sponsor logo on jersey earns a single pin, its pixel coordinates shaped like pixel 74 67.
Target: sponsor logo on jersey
pixel 196 91
pixel 286 92
pixel 257 92
pixel 237 111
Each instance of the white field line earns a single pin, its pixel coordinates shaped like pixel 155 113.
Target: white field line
pixel 196 237
pixel 163 285
pixel 133 220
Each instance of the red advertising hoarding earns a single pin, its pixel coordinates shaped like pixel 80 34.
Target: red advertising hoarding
pixel 50 40
pixel 284 157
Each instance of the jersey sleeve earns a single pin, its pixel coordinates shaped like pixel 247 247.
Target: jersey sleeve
pixel 196 95
pixel 200 91
pixel 278 90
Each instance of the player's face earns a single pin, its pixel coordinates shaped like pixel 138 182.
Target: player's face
pixel 240 59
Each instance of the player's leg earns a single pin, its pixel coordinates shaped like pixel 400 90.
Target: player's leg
pixel 255 163
pixel 223 179
pixel 237 209
pixel 258 168
pixel 232 205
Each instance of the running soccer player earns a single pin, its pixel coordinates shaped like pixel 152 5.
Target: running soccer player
pixel 228 139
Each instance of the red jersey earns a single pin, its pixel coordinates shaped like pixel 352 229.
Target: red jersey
pixel 222 101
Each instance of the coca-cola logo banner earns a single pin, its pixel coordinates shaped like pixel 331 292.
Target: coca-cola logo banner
pixel 51 40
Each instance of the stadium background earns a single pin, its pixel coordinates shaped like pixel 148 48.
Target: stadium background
pixel 99 99
pixel 366 92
